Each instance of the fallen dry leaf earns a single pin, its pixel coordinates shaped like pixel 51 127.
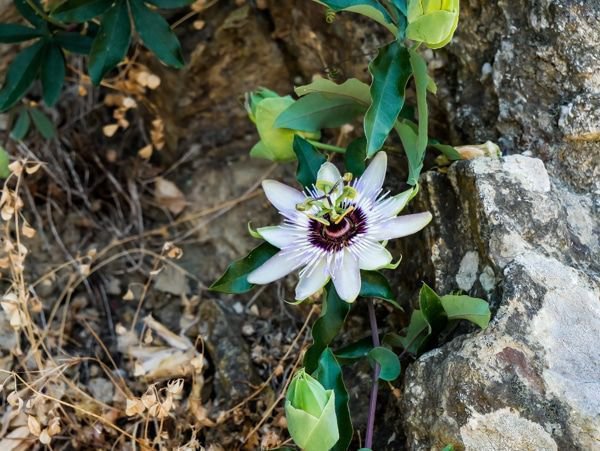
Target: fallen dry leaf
pixel 169 196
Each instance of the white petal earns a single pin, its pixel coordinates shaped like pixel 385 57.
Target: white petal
pixel 283 197
pixel 372 255
pixel 346 277
pixel 278 266
pixel 400 226
pixel 279 236
pixel 391 206
pixel 329 173
pixel 371 181
pixel 312 279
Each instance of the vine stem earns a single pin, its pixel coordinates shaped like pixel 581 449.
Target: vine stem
pixel 331 148
pixel 375 381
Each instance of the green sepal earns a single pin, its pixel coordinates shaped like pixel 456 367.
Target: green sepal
pixel 235 278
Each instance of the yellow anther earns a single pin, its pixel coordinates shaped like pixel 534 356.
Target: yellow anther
pixel 344 214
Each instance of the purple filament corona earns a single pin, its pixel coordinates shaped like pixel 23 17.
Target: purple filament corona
pixel 335 237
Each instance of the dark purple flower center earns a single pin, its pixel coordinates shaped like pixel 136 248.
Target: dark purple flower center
pixel 335 237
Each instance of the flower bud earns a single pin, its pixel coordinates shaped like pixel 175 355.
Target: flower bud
pixel 310 413
pixel 488 149
pixel 276 144
pixel 432 21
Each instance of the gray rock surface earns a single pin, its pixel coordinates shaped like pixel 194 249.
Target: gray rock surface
pixel 526 73
pixel 531 381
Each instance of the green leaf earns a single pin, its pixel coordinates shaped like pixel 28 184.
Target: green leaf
pixel 315 111
pixel 419 68
pixel 21 127
pixel 309 161
pixel 369 8
pixel 112 41
pixel 432 308
pixel 4 162
pixel 417 334
pixel 170 4
pixel 156 34
pixel 355 156
pixel 390 71
pixel 401 6
pixel 329 374
pixel 12 32
pixel 388 361
pixel 448 448
pixel 21 73
pixel 408 136
pixel 74 42
pixel 354 351
pixel 235 279
pixel 448 151
pixel 375 285
pixel 30 14
pixel 326 327
pixel 351 88
pixel 474 310
pixel 52 73
pixel 77 11
pixel 42 123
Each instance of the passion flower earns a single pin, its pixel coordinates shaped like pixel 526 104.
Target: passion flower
pixel 335 229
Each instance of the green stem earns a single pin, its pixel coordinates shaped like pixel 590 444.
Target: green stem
pixel 44 16
pixel 331 148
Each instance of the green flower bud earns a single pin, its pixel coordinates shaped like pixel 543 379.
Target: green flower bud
pixel 310 413
pixel 432 21
pixel 276 144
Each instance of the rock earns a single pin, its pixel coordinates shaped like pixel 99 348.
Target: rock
pixel 235 374
pixel 531 380
pixel 525 73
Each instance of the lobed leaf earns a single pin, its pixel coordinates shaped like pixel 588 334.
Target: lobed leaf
pixel 52 73
pixel 112 41
pixel 77 11
pixel 22 71
pixel 42 123
pixel 21 128
pixel 74 42
pixel 235 278
pixel 156 34
pixel 12 32
pixel 170 4
pixel 32 16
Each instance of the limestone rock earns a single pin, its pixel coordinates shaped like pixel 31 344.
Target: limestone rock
pixel 531 381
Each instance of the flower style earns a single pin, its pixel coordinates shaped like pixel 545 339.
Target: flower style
pixel 335 229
